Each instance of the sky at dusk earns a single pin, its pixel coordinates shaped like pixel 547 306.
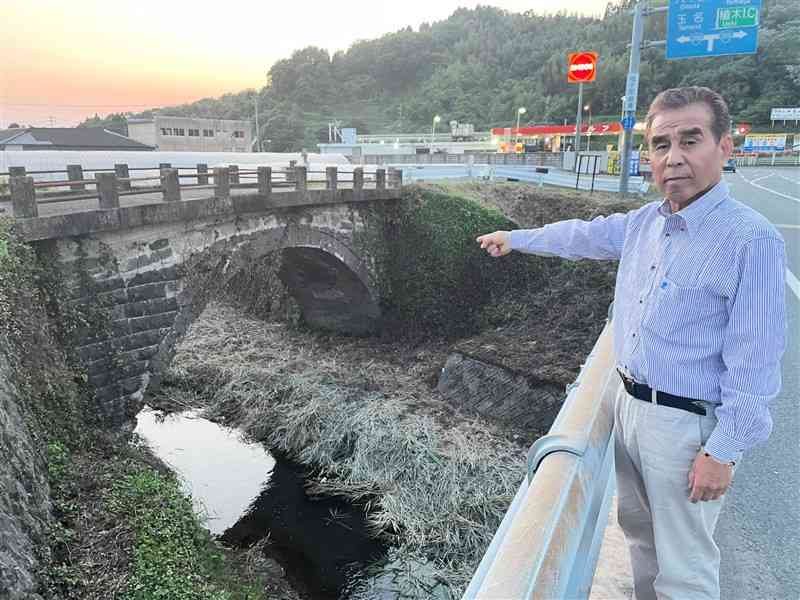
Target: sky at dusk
pixel 63 61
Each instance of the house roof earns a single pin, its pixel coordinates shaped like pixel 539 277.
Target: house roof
pixel 75 137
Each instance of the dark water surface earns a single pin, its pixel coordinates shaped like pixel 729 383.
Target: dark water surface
pixel 247 495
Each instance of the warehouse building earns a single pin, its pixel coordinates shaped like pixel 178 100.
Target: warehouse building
pixel 190 134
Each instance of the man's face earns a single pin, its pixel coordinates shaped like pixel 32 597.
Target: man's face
pixel 685 158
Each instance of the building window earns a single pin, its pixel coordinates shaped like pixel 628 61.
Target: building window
pixel 208 133
pixel 238 134
pixel 194 133
pixel 166 131
pixel 180 131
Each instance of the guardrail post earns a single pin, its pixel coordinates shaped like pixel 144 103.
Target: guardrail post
pixel 171 185
pixel 122 171
pixel 332 178
pixel 75 173
pixel 380 179
pixel 290 171
pixel 233 171
pixel 265 181
pixel 107 190
pixel 23 197
pixel 162 166
pixel 301 179
pixel 202 176
pixel 222 183
pixel 16 172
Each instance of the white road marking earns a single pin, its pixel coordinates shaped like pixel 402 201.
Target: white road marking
pixel 785 226
pixel 754 183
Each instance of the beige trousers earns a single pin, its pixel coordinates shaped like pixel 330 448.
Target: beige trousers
pixel 673 553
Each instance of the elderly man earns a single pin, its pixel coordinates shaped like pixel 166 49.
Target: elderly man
pixel 699 330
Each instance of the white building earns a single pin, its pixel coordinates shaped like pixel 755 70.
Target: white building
pixel 189 134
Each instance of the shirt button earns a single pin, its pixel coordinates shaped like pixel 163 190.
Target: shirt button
pixel 634 335
pixel 652 267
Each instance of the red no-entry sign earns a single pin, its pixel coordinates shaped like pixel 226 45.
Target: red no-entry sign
pixel 582 67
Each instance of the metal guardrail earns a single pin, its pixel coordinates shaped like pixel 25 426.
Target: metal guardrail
pixel 547 545
pixel 548 159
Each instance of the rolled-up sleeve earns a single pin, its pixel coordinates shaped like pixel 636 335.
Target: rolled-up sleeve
pixel 754 342
pixel 601 238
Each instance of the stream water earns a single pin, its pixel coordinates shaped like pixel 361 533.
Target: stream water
pixel 246 494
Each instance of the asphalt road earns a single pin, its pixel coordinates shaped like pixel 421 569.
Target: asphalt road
pixel 759 528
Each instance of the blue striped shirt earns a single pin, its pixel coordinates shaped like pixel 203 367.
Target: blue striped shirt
pixel 699 303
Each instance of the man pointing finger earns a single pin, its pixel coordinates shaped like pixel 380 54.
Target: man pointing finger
pixel 699 332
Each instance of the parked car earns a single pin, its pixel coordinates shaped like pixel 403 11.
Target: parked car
pixel 730 165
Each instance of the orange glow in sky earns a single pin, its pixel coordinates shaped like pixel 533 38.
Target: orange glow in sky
pixel 63 61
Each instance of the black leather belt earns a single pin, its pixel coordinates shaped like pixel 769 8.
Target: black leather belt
pixel 644 392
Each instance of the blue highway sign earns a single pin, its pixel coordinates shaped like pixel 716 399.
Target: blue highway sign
pixel 628 122
pixel 698 28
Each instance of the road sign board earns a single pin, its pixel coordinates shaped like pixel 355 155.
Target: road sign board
pixel 764 143
pixel 582 67
pixel 698 28
pixel 628 122
pixel 785 114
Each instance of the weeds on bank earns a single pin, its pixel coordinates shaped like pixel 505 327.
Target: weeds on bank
pixel 438 492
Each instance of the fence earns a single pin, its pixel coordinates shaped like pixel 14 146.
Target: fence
pixel 545 159
pixel 776 159
pixel 549 540
pixel 26 194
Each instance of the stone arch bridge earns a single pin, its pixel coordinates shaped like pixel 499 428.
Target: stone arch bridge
pixel 137 264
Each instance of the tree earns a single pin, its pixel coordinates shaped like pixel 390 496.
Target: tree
pixel 14 126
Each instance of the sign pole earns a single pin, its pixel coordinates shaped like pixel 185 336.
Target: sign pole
pixel 631 95
pixel 578 119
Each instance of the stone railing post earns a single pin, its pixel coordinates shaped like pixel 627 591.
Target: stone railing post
pixel 380 179
pixel 17 172
pixel 171 185
pixel 332 178
pixel 162 166
pixel 265 181
pixel 122 171
pixel 75 173
pixel 202 177
pixel 396 178
pixel 290 171
pixel 23 198
pixel 222 183
pixel 301 179
pixel 358 181
pixel 107 190
pixel 233 171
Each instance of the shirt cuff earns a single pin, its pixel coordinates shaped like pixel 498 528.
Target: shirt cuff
pixel 722 447
pixel 517 238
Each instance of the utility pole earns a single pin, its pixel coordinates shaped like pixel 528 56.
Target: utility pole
pixel 578 124
pixel 258 132
pixel 631 95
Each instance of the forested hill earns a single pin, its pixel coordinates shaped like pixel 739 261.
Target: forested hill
pixel 480 64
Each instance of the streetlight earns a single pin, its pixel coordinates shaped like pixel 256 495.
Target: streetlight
pixel 436 119
pixel 588 107
pixel 520 112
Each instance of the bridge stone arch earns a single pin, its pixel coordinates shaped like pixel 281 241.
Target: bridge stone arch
pixel 149 278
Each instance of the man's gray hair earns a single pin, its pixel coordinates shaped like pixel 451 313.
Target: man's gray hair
pixel 676 98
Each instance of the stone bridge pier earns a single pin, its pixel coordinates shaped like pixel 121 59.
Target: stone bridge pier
pixel 143 286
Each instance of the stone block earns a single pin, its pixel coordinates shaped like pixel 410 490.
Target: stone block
pixel 159 244
pixel 167 273
pixel 147 291
pixel 139 340
pixel 151 307
pixel 92 352
pixel 146 323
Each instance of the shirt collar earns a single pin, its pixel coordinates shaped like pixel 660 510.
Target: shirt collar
pixel 694 214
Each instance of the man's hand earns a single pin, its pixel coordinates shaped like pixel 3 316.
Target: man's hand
pixel 708 479
pixel 497 243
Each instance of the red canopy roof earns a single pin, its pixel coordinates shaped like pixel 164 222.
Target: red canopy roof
pixel 614 127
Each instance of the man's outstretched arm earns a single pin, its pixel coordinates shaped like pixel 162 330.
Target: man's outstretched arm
pixel 601 238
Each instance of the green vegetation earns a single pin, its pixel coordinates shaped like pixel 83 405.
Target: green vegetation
pixel 480 64
pixel 439 279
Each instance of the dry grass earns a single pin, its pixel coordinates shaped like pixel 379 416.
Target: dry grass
pixel 362 417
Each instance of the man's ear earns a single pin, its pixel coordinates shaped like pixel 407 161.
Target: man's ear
pixel 726 143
